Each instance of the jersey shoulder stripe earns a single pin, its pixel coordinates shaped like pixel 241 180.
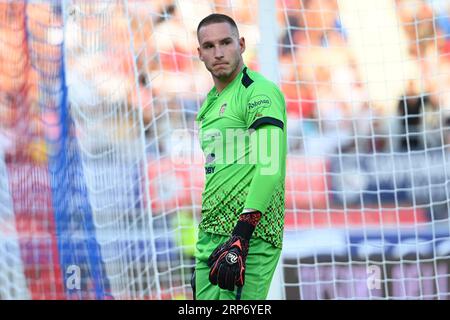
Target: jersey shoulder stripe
pixel 267 120
pixel 246 80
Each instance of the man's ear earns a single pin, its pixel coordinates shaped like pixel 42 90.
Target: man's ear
pixel 199 54
pixel 242 44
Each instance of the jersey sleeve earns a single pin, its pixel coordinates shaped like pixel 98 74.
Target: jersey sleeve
pixel 269 173
pixel 265 105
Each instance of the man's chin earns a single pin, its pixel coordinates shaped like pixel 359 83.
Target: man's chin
pixel 222 74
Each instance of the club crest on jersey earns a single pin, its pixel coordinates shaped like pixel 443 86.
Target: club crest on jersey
pixel 222 109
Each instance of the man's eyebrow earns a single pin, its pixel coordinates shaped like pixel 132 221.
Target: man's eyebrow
pixel 221 40
pixel 206 43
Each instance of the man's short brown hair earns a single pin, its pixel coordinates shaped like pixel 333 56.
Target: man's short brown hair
pixel 217 18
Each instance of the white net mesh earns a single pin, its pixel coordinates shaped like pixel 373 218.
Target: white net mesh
pixel 366 85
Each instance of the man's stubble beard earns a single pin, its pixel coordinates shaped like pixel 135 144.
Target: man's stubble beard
pixel 224 76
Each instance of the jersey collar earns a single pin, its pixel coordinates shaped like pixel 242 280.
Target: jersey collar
pixel 214 93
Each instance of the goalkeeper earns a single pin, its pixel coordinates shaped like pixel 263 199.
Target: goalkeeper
pixel 240 234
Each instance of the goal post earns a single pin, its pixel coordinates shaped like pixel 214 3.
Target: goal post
pixel 268 66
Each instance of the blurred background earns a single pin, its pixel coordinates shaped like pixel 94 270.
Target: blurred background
pixel 102 174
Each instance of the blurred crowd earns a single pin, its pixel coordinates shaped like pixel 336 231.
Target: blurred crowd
pixel 327 93
pixel 30 85
pixel 144 54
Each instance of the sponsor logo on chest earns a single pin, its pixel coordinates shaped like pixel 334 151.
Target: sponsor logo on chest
pixel 260 101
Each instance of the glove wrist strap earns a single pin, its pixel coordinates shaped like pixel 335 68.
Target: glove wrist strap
pixel 247 224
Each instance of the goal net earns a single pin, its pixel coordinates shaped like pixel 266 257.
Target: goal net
pixel 101 173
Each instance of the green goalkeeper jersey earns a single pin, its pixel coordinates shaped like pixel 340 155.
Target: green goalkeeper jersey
pixel 227 122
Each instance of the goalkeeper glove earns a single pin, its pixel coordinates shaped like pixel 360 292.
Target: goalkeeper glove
pixel 227 262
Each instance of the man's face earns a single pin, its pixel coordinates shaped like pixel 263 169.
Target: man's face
pixel 220 49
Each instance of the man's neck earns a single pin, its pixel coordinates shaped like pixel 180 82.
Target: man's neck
pixel 221 84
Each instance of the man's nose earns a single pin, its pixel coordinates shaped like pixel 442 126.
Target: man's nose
pixel 218 53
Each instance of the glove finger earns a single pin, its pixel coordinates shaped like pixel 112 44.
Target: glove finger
pixel 213 274
pixel 240 279
pixel 213 257
pixel 240 275
pixel 213 278
pixel 215 268
pixel 231 275
pixel 222 276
